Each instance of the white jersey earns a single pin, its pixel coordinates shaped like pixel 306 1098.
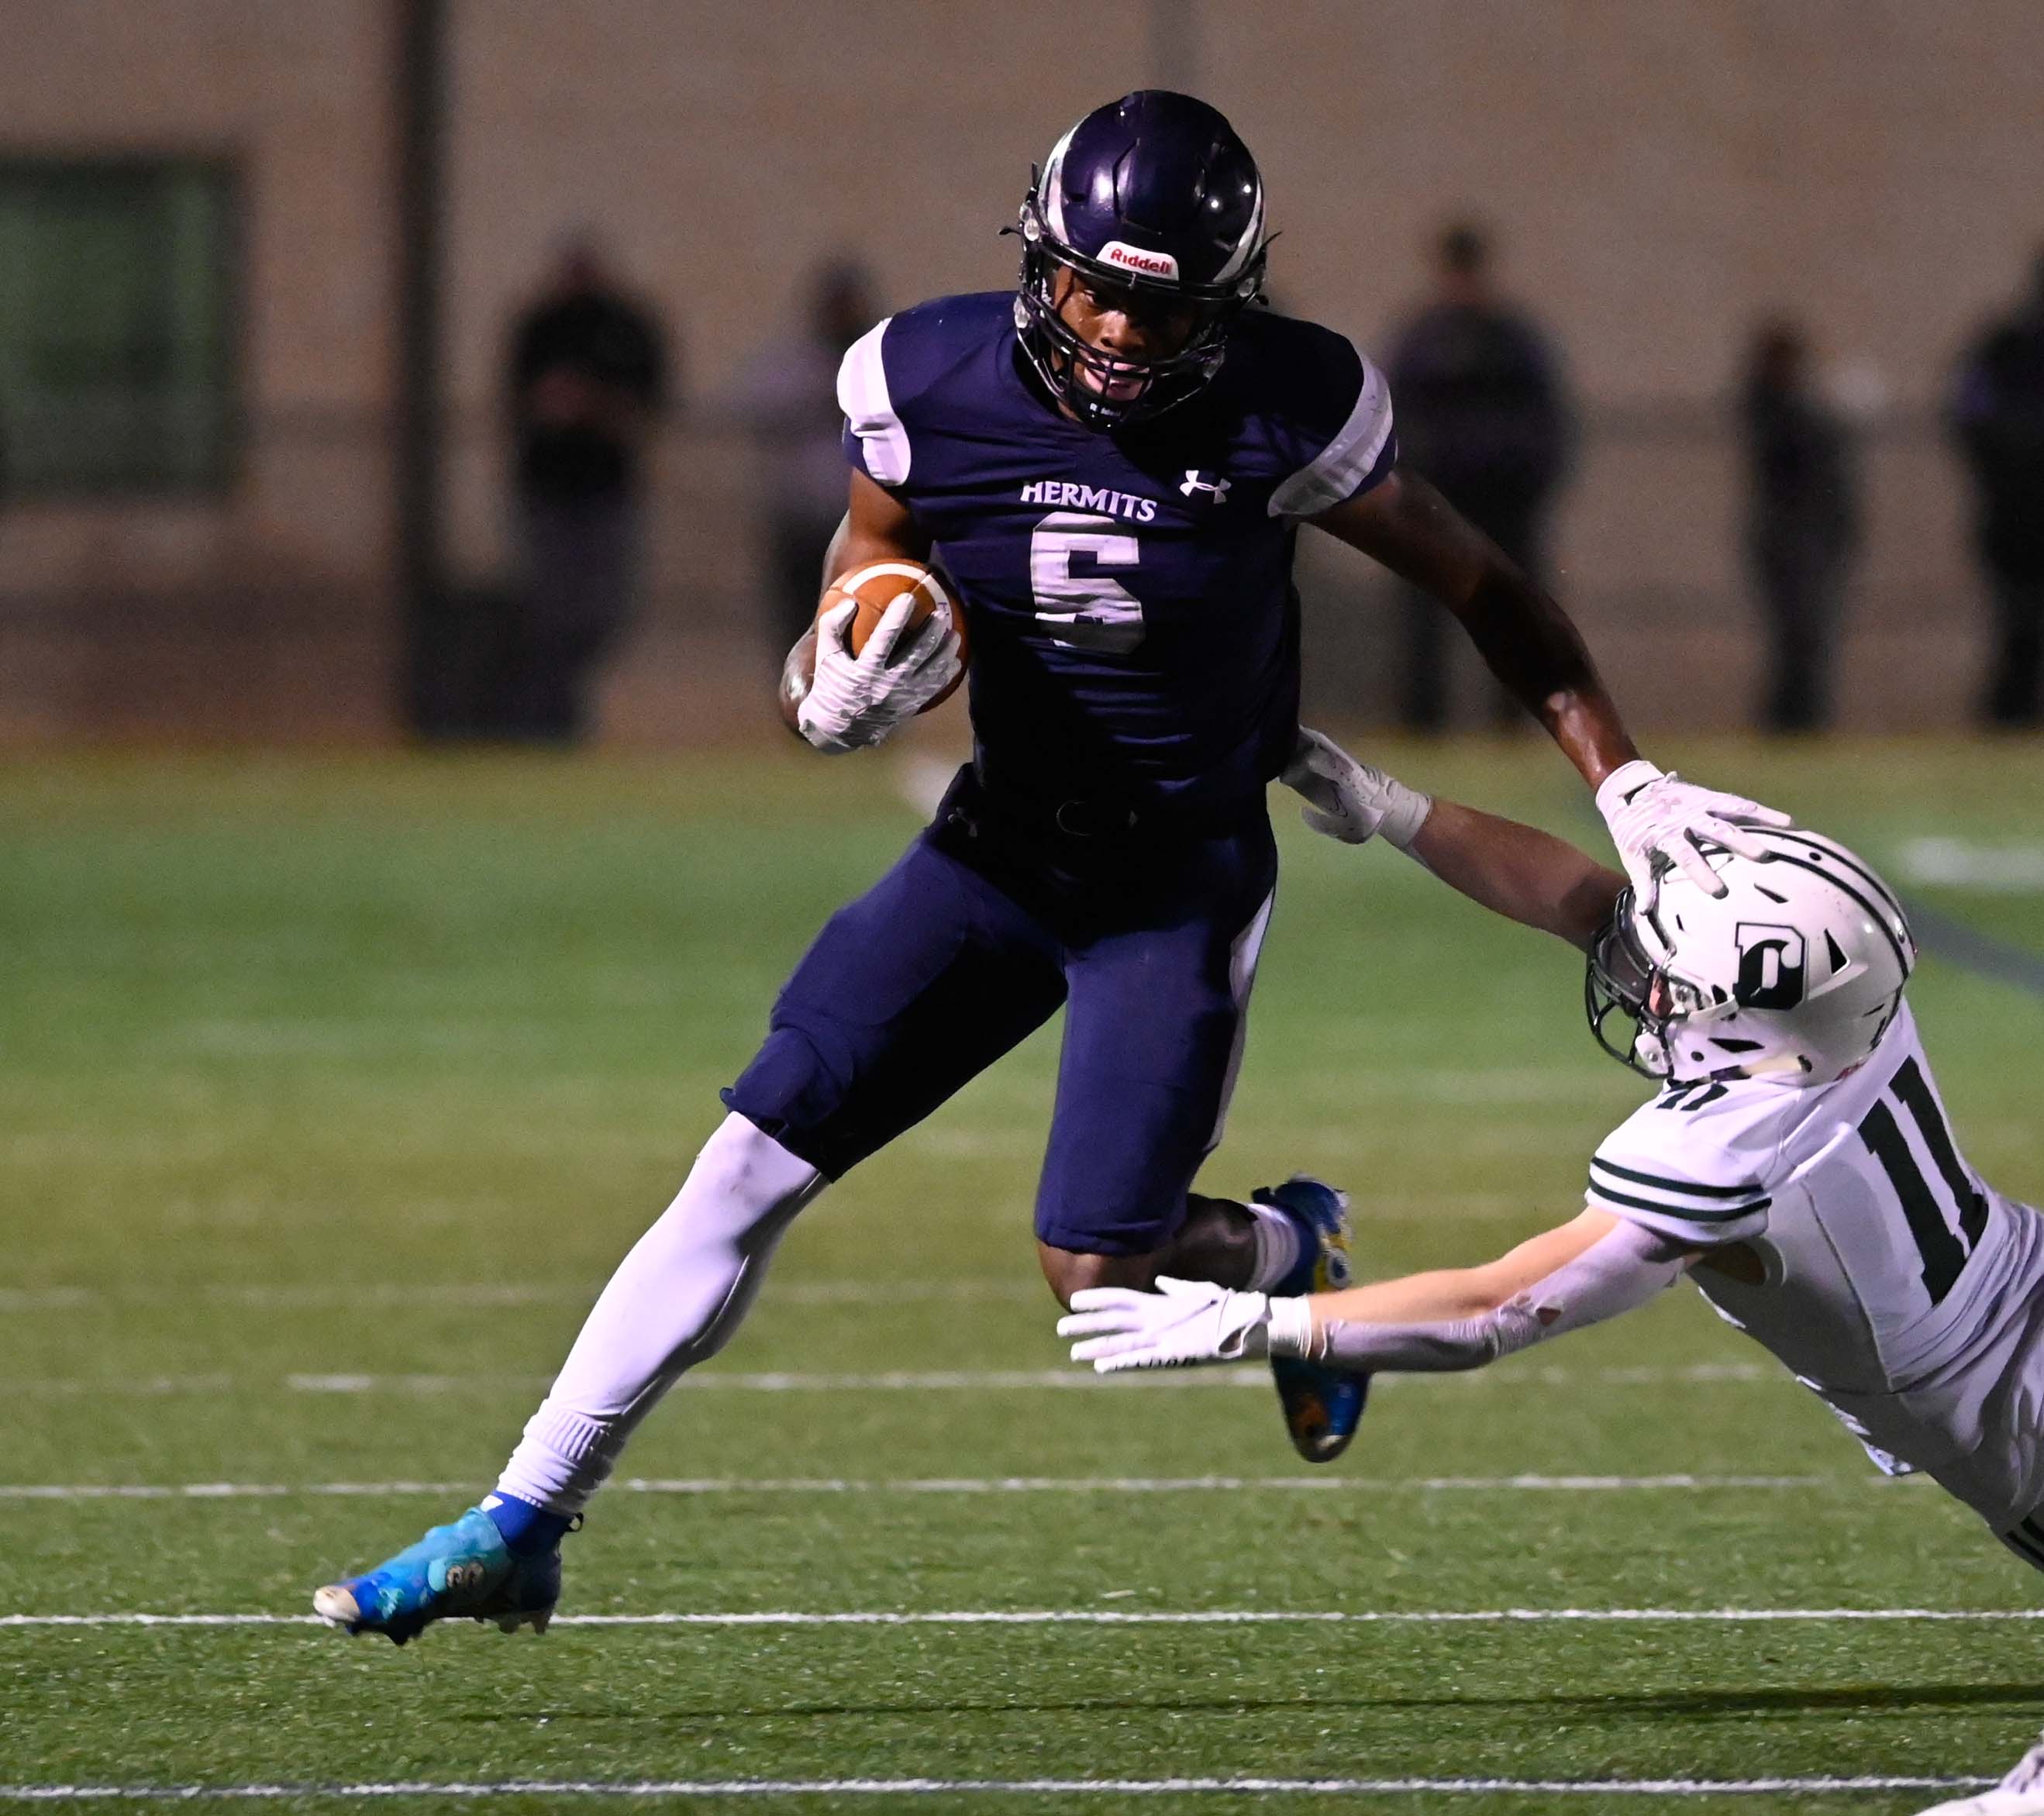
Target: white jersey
pixel 1891 1280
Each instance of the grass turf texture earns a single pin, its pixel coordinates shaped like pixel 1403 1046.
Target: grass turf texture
pixel 330 1092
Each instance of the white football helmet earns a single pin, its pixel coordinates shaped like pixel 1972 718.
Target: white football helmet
pixel 1794 973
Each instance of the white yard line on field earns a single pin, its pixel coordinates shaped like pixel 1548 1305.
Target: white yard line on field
pixel 127 1386
pixel 950 1485
pixel 1123 1617
pixel 898 1380
pixel 709 1787
pixel 497 1296
pixel 1968 864
pixel 938 1380
pixel 47 1299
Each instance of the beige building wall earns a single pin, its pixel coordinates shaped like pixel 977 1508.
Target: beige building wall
pixel 1660 172
pixel 1660 169
pixel 265 612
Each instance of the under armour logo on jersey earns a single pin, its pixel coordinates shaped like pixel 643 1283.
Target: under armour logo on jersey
pixel 1216 488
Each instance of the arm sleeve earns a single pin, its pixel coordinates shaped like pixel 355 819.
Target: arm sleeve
pixel 875 441
pixel 1337 429
pixel 1620 1271
pixel 1669 1168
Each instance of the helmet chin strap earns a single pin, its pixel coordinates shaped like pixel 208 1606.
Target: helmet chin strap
pixel 1777 1064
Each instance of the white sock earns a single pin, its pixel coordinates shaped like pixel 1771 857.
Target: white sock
pixel 1277 1247
pixel 674 1301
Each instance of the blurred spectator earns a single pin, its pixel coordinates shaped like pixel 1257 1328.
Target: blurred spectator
pixel 1802 522
pixel 1481 413
pixel 589 372
pixel 1998 415
pixel 787 398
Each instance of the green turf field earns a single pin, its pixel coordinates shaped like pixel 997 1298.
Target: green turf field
pixel 330 1091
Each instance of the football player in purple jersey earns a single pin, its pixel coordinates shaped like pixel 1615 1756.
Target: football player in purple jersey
pixel 1110 467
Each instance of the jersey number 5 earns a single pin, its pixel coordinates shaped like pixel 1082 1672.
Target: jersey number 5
pixel 1086 608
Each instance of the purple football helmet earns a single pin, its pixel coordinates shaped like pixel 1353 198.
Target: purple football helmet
pixel 1153 193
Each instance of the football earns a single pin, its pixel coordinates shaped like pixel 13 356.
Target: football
pixel 877 586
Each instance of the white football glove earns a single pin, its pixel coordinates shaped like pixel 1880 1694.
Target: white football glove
pixel 1656 820
pixel 856 701
pixel 1348 799
pixel 1184 1322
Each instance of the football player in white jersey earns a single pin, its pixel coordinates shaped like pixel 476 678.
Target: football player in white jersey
pixel 1795 1163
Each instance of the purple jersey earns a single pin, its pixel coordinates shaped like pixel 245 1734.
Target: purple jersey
pixel 1135 628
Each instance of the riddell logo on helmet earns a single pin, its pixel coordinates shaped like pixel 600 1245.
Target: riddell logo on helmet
pixel 1134 258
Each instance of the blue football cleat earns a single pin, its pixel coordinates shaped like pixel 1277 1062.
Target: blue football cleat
pixel 1322 1405
pixel 464 1569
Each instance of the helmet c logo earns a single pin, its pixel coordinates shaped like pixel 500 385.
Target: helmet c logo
pixel 1770 966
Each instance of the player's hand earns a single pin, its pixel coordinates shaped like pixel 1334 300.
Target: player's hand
pixel 1348 799
pixel 1657 819
pixel 856 701
pixel 1183 1322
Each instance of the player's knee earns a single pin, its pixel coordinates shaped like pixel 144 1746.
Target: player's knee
pixel 1068 1270
pixel 743 1157
pixel 793 1096
pixel 743 1189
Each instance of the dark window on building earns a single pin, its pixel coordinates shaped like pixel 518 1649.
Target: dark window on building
pixel 117 314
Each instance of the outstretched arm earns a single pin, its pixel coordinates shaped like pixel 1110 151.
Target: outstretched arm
pixel 1515 870
pixel 1656 818
pixel 1593 1267
pixel 1519 871
pixel 1582 1273
pixel 1528 641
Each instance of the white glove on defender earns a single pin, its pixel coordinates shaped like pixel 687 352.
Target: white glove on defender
pixel 1348 799
pixel 1653 815
pixel 1184 1321
pixel 856 701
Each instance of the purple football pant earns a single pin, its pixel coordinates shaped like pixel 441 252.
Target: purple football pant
pixel 969 944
